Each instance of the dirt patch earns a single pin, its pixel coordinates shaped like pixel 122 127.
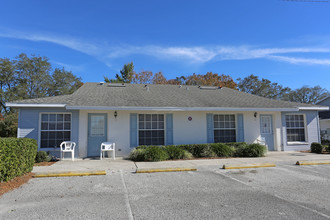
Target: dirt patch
pixel 44 163
pixel 14 183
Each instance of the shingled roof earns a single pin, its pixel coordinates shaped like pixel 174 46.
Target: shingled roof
pixel 96 95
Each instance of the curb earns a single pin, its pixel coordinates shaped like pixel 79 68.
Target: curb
pixel 244 166
pixel 67 174
pixel 164 170
pixel 312 162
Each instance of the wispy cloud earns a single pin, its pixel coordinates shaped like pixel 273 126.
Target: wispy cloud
pixel 69 67
pixel 194 54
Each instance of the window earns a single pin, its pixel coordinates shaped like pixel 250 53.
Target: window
pixel 295 128
pixel 55 128
pixel 97 126
pixel 224 128
pixel 151 129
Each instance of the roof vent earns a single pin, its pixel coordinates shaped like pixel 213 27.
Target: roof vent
pixel 180 86
pixel 147 88
pixel 101 83
pixel 187 88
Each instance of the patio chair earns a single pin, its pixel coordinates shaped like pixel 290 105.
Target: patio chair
pixel 108 146
pixel 67 146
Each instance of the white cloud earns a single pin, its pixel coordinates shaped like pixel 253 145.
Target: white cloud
pixel 194 54
pixel 297 60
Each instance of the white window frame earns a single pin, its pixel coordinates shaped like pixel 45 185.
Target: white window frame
pixel 138 127
pixel 236 125
pixel 39 127
pixel 305 130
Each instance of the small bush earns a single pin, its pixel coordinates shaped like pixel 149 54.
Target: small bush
pixel 237 144
pixel 175 152
pixel 316 148
pixel 208 151
pixel 137 155
pixel 327 148
pixel 42 156
pixel 17 157
pixel 222 150
pixel 251 150
pixel 197 150
pixel 155 153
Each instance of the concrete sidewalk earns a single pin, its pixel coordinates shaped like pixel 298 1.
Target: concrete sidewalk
pixel 120 164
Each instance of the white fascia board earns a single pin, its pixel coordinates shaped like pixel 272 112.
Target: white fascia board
pixel 318 108
pixel 19 105
pixel 176 108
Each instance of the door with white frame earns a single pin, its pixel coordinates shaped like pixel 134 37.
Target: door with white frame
pixel 97 133
pixel 266 131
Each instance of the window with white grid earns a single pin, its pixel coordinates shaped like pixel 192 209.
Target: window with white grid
pixel 151 129
pixel 224 128
pixel 55 128
pixel 295 128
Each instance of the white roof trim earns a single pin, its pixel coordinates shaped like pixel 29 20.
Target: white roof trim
pixel 176 108
pixel 319 108
pixel 11 104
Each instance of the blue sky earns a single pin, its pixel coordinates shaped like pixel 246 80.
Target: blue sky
pixel 285 41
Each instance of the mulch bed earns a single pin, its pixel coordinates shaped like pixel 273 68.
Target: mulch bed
pixel 44 163
pixel 20 180
pixel 14 183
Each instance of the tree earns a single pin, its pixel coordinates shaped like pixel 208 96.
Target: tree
pixel 126 74
pixel 159 78
pixel 7 82
pixel 211 79
pixel 33 76
pixel 306 94
pixel 144 77
pixel 63 82
pixel 264 87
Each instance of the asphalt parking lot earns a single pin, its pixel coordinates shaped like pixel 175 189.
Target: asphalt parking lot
pixel 282 192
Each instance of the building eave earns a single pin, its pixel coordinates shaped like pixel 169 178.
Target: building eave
pixel 35 105
pixel 126 108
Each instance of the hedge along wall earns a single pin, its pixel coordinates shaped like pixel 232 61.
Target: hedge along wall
pixel 17 157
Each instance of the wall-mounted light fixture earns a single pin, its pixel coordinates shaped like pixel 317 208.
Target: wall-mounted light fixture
pixel 255 114
pixel 115 114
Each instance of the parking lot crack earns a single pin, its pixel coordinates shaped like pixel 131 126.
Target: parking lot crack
pixel 128 206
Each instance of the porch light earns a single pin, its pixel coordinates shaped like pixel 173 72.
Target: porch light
pixel 255 114
pixel 115 114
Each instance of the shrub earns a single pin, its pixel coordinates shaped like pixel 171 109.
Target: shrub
pixel 208 151
pixel 17 157
pixel 316 148
pixel 251 150
pixel 222 150
pixel 237 144
pixel 137 155
pixel 155 153
pixel 327 148
pixel 175 152
pixel 42 156
pixel 197 150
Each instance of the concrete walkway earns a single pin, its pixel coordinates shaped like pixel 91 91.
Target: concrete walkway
pixel 120 164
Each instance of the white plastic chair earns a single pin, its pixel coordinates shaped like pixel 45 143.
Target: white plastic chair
pixel 108 146
pixel 67 146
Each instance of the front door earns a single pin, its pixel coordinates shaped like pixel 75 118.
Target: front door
pixel 266 131
pixel 97 133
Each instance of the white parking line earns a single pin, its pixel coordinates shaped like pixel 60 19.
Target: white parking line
pixel 128 206
pixel 279 197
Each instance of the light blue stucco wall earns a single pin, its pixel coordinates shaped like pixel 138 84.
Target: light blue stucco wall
pixel 28 124
pixel 312 131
